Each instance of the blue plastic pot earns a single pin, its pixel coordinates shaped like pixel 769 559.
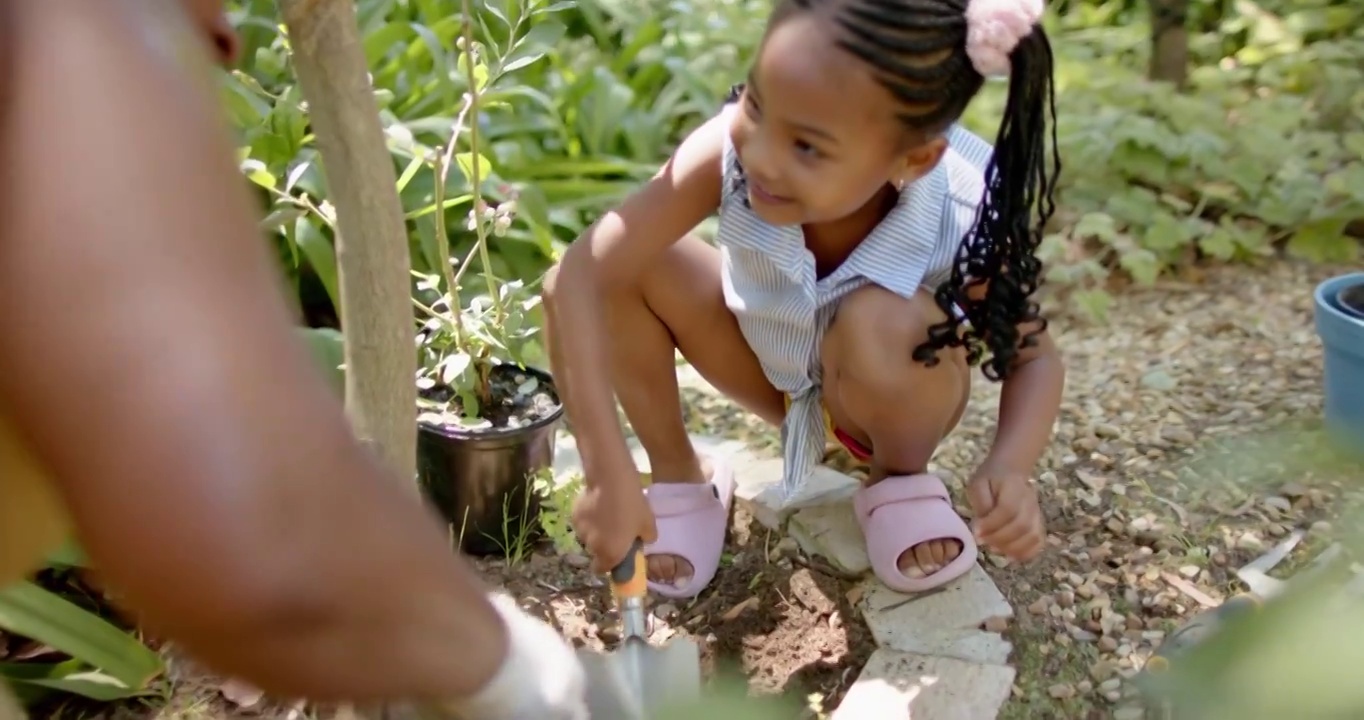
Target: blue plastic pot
pixel 1341 329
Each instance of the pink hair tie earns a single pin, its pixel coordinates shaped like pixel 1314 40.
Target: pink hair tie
pixel 994 28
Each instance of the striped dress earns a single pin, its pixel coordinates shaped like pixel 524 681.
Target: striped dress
pixel 783 309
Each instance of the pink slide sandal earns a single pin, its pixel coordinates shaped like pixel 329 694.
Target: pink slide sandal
pixel 692 520
pixel 900 512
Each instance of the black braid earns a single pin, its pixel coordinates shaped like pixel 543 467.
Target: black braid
pixel 918 50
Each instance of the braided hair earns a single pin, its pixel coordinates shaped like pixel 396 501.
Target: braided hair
pixel 917 51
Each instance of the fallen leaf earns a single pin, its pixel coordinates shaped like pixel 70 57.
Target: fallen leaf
pixel 739 609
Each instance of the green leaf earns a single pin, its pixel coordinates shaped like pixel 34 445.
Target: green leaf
pixel 258 173
pixel 1219 244
pixel 1141 264
pixel 328 347
pixel 542 38
pixel 1094 304
pixel 466 166
pixel 1166 232
pixel 1099 226
pixel 320 254
pixel 1324 241
pixel 69 554
pixel 28 610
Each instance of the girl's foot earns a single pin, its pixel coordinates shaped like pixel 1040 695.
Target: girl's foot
pixel 929 557
pixel 692 520
pixel 915 539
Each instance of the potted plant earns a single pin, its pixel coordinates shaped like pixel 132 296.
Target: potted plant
pixel 486 419
pixel 1340 324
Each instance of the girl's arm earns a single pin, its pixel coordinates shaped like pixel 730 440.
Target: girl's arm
pixel 610 256
pixel 149 359
pixel 1030 400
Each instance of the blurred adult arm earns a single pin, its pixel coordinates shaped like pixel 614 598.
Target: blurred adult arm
pixel 148 357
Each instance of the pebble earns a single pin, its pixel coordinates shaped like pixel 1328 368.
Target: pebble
pixel 577 560
pixel 1158 380
pixel 1061 691
pixel 1249 541
pixel 1102 671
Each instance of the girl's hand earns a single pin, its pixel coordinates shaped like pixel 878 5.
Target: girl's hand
pixel 1008 517
pixel 608 517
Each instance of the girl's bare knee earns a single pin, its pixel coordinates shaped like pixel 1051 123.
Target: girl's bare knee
pixel 874 332
pixel 873 386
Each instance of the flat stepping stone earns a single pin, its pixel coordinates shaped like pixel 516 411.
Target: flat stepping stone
pixel 945 622
pixel 908 686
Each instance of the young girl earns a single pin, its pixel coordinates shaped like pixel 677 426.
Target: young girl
pixel 858 276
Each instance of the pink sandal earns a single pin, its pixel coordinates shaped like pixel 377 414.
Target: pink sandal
pixel 692 519
pixel 900 512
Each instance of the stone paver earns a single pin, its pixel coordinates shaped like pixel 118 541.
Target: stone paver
pixel 945 623
pixel 934 661
pixel 907 686
pixel 831 531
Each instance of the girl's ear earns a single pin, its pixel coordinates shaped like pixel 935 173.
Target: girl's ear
pixel 919 160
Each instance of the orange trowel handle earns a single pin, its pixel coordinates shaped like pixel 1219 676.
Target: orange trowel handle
pixel 628 579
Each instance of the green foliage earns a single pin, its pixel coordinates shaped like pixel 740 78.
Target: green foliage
pixel 460 345
pixel 104 662
pixel 556 509
pixel 1263 151
pixel 601 94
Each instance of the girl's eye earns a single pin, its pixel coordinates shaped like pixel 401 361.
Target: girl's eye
pixel 752 105
pixel 808 150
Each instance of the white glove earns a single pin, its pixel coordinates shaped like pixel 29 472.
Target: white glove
pixel 541 678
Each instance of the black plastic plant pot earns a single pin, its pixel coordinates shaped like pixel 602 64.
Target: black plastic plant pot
pixel 1351 300
pixel 479 480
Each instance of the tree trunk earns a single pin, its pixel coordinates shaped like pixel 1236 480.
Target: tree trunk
pixel 1170 41
pixel 371 238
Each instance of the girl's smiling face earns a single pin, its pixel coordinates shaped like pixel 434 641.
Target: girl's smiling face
pixel 816 134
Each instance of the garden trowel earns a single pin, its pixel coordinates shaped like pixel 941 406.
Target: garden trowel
pixel 638 679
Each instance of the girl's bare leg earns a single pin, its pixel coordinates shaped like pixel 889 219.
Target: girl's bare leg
pixel 898 407
pixel 679 305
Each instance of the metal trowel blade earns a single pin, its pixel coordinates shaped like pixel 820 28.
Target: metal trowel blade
pixel 639 679
pixel 610 695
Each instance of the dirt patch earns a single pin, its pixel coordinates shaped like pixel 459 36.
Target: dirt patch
pixel 784 622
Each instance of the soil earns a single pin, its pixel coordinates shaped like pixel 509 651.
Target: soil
pixel 517 399
pixel 778 618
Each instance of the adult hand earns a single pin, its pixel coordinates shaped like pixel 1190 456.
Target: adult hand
pixel 541 678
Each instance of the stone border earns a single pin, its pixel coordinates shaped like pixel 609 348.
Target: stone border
pixel 934 660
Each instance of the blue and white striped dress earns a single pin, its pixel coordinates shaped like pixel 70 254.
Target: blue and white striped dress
pixel 783 310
